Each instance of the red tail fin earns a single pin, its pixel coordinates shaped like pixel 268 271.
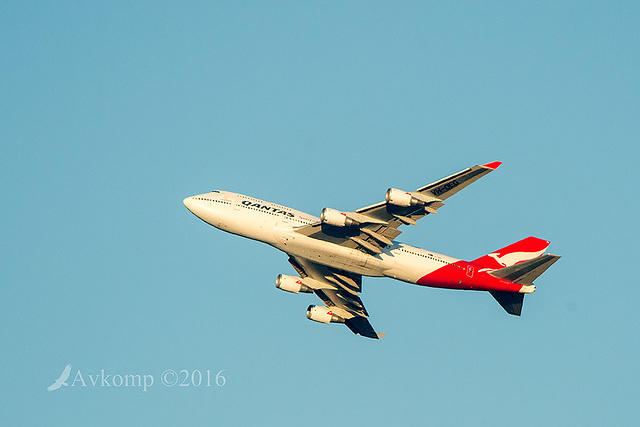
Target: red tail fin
pixel 524 250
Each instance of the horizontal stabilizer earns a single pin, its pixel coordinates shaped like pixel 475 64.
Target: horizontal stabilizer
pixel 510 301
pixel 523 273
pixel 526 272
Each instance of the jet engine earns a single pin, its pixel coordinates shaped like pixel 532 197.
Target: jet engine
pixel 401 198
pixel 322 314
pixel 292 284
pixel 336 218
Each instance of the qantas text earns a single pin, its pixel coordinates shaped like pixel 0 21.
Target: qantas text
pixel 267 208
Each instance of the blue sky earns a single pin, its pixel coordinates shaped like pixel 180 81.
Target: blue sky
pixel 111 114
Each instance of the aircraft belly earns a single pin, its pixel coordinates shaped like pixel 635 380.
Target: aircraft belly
pixel 250 226
pixel 329 254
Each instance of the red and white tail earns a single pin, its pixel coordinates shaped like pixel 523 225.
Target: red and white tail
pixel 521 262
pixel 524 250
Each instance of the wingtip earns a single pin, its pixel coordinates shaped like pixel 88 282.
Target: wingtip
pixel 380 335
pixel 492 165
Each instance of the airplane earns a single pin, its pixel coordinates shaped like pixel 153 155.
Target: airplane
pixel 330 254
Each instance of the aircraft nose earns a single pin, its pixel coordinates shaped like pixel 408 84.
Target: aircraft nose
pixel 200 206
pixel 189 203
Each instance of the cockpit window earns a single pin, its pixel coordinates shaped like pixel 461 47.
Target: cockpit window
pixel 215 191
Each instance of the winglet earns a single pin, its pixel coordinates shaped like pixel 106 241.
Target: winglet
pixel 380 335
pixel 492 165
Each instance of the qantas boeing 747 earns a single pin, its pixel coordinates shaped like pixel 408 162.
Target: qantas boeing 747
pixel 333 252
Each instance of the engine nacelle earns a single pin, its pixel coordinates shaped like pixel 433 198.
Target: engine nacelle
pixel 322 314
pixel 292 284
pixel 336 218
pixel 401 198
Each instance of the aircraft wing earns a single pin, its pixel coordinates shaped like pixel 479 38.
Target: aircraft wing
pixel 379 224
pixel 339 291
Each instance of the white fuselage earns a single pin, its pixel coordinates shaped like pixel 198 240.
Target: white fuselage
pixel 275 225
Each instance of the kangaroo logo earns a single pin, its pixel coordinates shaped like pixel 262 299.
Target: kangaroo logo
pixel 507 260
pixel 61 380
